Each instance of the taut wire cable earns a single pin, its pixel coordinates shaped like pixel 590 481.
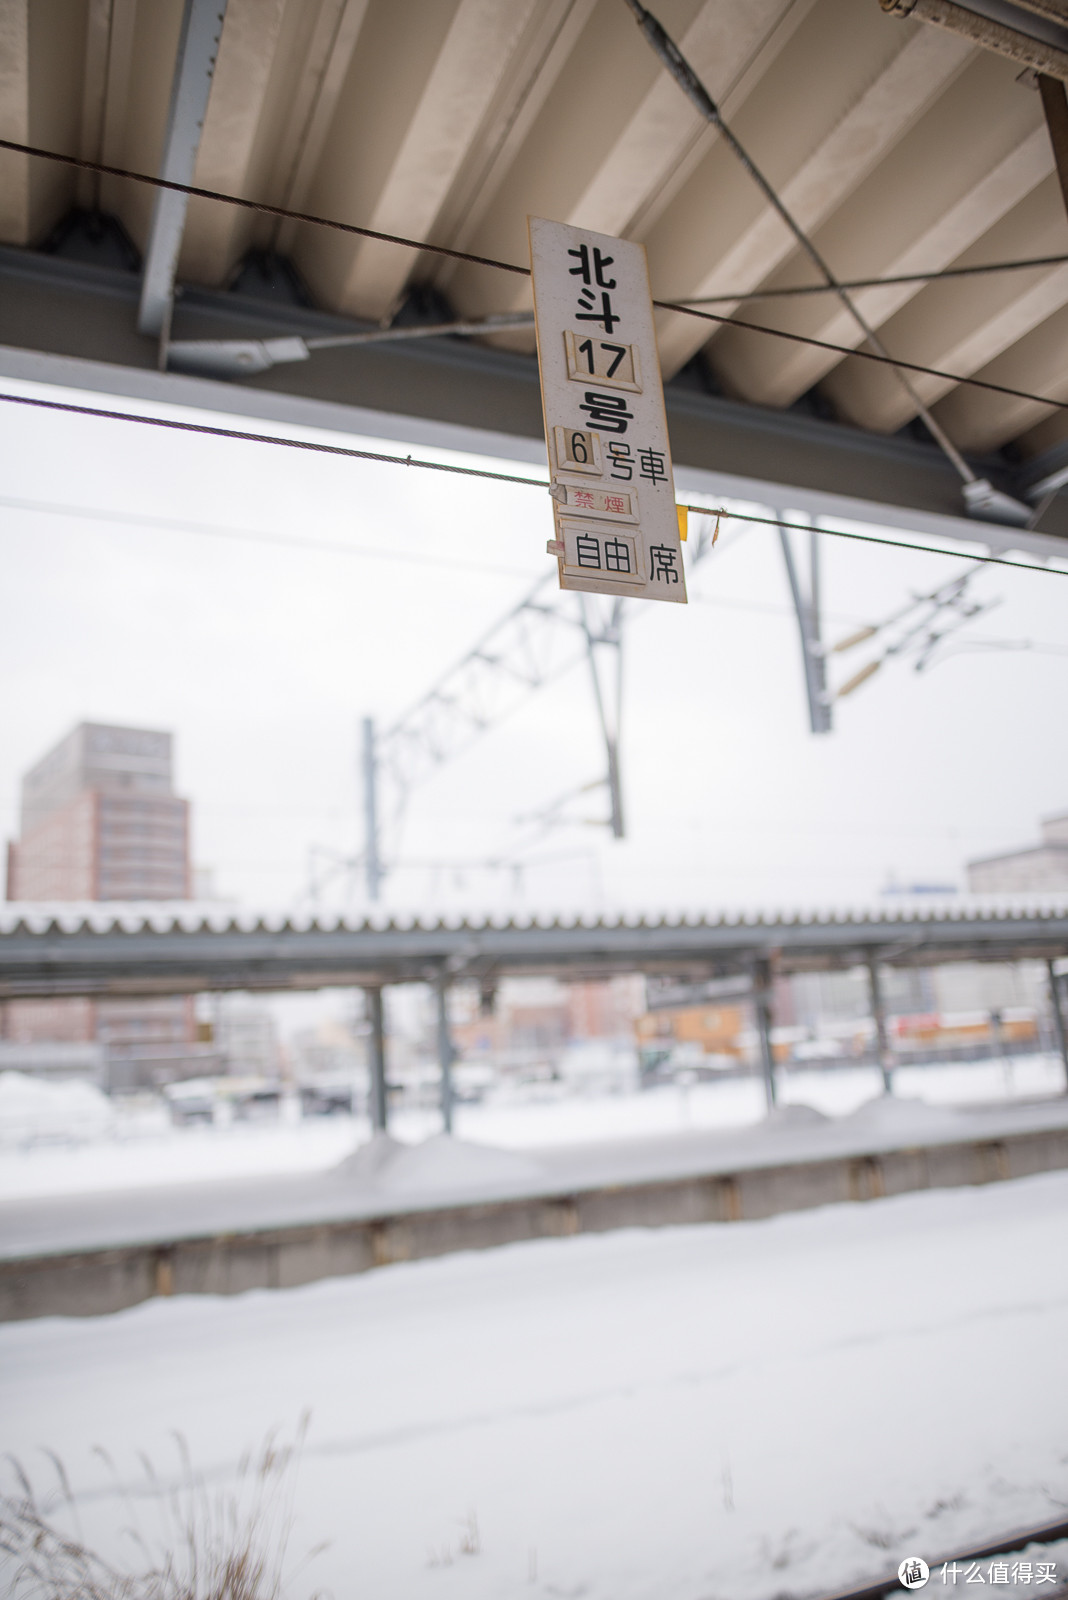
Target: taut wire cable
pixel 349 451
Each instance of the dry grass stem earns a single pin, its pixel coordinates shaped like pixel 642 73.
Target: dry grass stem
pixel 202 1543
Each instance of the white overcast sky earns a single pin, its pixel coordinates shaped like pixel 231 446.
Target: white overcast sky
pixel 263 659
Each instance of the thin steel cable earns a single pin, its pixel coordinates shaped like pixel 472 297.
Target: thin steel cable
pixel 483 472
pixel 871 538
pixel 863 355
pixel 261 206
pixel 128 519
pixel 683 308
pixel 669 53
pixel 937 276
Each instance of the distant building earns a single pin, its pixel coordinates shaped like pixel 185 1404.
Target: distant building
pixel 1041 869
pixel 604 1008
pixel 246 1039
pixel 540 1017
pixel 100 821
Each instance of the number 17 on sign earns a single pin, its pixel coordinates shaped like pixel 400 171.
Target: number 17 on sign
pixel 606 432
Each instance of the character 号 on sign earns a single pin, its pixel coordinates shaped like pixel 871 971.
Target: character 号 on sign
pixel 620 460
pixel 608 410
pixel 609 453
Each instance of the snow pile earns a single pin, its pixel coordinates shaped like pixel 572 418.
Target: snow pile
pixel 438 1166
pixel 794 1116
pixel 33 1110
pixel 822 1113
pixel 911 1121
pixel 368 1161
pixel 163 1156
pixel 745 1410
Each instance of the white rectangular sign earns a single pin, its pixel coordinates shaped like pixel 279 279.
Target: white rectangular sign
pixel 613 490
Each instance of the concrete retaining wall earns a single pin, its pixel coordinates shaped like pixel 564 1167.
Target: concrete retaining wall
pixel 94 1282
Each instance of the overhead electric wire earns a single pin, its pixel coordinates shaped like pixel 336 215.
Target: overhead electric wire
pixel 936 276
pixel 424 247
pixel 351 452
pixel 133 519
pixel 863 355
pixel 259 536
pixel 667 51
pixel 282 212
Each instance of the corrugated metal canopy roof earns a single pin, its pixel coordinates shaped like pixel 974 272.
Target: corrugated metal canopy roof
pixel 175 949
pixel 901 148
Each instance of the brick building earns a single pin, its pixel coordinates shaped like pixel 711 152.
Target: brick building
pixel 100 821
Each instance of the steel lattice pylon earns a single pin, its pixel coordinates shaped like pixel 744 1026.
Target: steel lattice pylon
pixel 546 634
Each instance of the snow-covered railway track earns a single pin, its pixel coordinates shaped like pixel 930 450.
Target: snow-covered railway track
pixel 1009 1545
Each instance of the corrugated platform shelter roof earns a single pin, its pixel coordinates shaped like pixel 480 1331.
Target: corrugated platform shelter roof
pixel 112 949
pixel 905 151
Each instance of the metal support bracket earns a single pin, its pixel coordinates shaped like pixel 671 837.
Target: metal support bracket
pixel 807 611
pixel 1055 107
pixel 198 47
pixel 371 851
pixel 604 651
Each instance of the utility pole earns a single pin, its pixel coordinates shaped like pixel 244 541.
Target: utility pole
pixel 763 1008
pixel 441 987
pixel 1058 1017
pixel 997 1037
pixel 604 651
pixel 878 1014
pixel 807 609
pixel 372 857
pixel 379 1103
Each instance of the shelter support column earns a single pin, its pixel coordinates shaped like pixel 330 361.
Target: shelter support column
pixel 878 1015
pixel 445 1051
pixel 377 1046
pixel 762 1006
pixel 1057 1002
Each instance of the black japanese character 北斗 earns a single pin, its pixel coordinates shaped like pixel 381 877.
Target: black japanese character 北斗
pixel 605 316
pixel 600 262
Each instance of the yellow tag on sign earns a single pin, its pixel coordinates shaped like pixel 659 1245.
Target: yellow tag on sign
pixel 684 516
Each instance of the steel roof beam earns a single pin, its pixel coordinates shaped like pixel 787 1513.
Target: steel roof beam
pixel 73 325
pixel 198 47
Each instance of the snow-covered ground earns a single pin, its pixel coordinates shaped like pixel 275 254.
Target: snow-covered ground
pixel 744 1411
pixel 88 1151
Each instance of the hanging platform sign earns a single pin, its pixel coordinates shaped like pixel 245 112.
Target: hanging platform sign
pixel 617 531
